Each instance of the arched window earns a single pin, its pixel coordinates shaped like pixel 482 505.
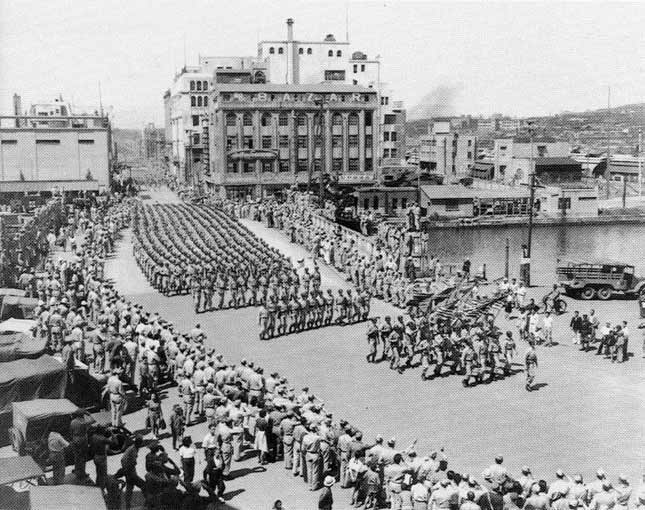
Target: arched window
pixel 301 51
pixel 231 119
pixel 266 119
pixel 192 84
pixel 280 50
pixel 353 119
pixel 193 101
pixel 205 100
pixel 199 101
pixel 247 120
pixel 309 51
pixel 199 85
pixel 271 50
pixel 339 53
pixel 302 119
pixel 337 120
pixel 330 53
pixel 205 86
pixel 283 119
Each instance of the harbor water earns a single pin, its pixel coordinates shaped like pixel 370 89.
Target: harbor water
pixel 624 243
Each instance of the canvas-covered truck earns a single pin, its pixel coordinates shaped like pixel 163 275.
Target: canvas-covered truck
pixel 599 279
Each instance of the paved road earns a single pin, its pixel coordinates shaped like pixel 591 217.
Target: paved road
pixel 587 414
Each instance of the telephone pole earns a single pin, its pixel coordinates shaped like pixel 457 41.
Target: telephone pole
pixel 525 266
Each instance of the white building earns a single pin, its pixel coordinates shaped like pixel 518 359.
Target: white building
pixel 447 152
pixel 285 61
pixel 512 156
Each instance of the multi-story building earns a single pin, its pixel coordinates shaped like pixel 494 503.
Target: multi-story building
pixel 290 62
pixel 447 152
pixel 153 141
pixel 265 137
pixel 512 157
pixel 53 149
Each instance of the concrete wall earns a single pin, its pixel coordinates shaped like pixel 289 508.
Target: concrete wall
pixel 584 203
pixel 54 154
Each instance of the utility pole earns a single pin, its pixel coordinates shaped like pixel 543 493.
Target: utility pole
pixel 525 266
pixel 608 124
pixel 321 139
pixel 639 155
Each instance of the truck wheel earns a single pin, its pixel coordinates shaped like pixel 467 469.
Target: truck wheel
pixel 604 293
pixel 588 293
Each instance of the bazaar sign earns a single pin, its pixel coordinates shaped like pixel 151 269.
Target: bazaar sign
pixel 288 97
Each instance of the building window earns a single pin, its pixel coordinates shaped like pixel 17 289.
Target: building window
pixel 302 142
pixel 302 165
pixel 283 120
pixel 353 140
pixel 195 120
pixel 368 119
pixel 231 119
pixel 336 141
pixel 199 100
pixel 470 155
pixel 231 143
pixel 470 142
pixel 247 119
pixel 266 119
pixel 309 51
pixel 283 165
pixel 231 166
pixel 301 51
pixel 362 68
pixel 386 136
pixel 284 141
pixel 193 101
pixel 199 85
pixel 355 68
pixel 86 142
pixel 386 153
pixel 338 75
pixel 302 120
pixel 271 50
pixel 330 53
pixel 404 203
pixel 389 119
pixel 339 53
pixel 374 202
pixel 395 203
pixel 196 139
pixel 205 86
pixel 337 165
pixel 317 165
pixel 452 204
pixel 564 203
pixel 9 142
pixel 267 142
pixel 369 166
pixel 247 142
pixel 368 141
pixel 280 50
pixel 248 167
pixel 354 165
pixel 267 166
pixel 205 100
pixel 192 84
pixel 393 136
pixel 541 150
pixel 366 203
pixel 337 119
pixel 393 153
pixel 353 119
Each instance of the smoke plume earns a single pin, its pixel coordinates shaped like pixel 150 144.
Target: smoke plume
pixel 440 102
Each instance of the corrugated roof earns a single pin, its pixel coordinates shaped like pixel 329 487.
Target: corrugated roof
pixel 33 186
pixel 457 191
pixel 557 161
pixel 280 87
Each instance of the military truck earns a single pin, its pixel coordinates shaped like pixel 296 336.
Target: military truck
pixel 599 279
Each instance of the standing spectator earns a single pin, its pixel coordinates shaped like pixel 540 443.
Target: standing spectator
pixel 57 445
pixel 99 441
pixel 80 440
pixel 187 454
pixel 129 470
pixel 155 414
pixel 177 424
pixel 326 499
pixel 576 326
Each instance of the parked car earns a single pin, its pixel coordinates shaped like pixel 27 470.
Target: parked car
pixel 601 279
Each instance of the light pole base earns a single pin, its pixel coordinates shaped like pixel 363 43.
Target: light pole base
pixel 525 273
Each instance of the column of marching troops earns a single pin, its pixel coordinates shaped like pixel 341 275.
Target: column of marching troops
pixel 246 409
pixel 202 250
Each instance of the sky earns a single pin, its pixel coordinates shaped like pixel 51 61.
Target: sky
pixel 516 58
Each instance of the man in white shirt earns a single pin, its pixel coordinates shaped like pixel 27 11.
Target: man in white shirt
pixel 547 328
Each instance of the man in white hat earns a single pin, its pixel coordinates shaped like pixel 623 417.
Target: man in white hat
pixel 560 487
pixel 326 499
pixel 623 491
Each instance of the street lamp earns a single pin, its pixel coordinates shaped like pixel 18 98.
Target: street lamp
pixel 525 266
